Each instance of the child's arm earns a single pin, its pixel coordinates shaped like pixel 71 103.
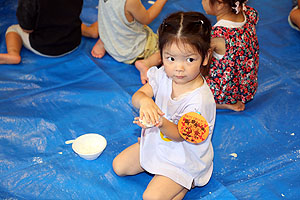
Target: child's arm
pixel 139 12
pixel 170 130
pixel 218 45
pixel 142 100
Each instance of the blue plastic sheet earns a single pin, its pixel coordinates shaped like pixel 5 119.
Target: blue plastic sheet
pixel 45 102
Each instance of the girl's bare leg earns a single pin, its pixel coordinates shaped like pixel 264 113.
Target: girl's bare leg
pixel 161 187
pixel 98 50
pixel 13 45
pixel 90 31
pixel 238 106
pixel 144 65
pixel 128 161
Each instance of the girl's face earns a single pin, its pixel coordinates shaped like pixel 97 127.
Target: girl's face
pixel 182 62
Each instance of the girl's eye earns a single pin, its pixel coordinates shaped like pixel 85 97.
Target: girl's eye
pixel 171 59
pixel 190 59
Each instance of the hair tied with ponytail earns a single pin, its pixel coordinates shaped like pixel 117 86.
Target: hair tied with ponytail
pixel 200 22
pixel 237 7
pixel 164 24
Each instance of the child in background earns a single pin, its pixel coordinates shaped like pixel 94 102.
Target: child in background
pixel 294 16
pixel 178 88
pixel 48 28
pixel 233 72
pixel 123 30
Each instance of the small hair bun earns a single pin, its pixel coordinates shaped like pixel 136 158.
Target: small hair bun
pixel 201 21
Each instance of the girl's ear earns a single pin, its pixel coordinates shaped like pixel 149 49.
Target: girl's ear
pixel 219 5
pixel 207 57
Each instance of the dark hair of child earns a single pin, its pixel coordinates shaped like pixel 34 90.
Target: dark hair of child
pixel 191 28
pixel 232 3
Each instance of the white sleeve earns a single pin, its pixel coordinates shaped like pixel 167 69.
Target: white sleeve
pixel 155 76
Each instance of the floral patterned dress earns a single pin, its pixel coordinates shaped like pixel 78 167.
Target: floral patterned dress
pixel 234 77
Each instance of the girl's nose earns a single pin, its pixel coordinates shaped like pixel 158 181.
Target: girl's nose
pixel 179 66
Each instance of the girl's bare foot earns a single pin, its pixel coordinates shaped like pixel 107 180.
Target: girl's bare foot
pixel 238 106
pixel 90 31
pixel 98 50
pixel 142 67
pixel 6 58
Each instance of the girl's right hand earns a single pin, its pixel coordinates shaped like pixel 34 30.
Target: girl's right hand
pixel 150 112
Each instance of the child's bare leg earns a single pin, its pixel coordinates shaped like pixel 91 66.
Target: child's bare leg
pixel 128 161
pixel 90 31
pixel 13 45
pixel 161 187
pixel 238 106
pixel 144 65
pixel 295 17
pixel 98 50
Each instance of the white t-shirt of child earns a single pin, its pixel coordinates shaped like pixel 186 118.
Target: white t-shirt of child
pixel 185 163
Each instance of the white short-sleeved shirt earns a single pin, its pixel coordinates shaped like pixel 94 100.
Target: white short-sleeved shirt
pixel 183 162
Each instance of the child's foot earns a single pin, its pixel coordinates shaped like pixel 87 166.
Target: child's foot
pixel 98 50
pixel 90 31
pixel 142 67
pixel 238 106
pixel 6 58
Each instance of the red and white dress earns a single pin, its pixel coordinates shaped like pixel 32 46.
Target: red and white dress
pixel 233 76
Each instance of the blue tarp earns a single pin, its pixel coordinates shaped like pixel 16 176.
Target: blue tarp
pixel 47 101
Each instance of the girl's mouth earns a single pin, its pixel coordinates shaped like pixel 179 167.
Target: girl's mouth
pixel 179 77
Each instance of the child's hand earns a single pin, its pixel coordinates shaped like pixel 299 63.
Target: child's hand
pixel 160 122
pixel 150 112
pixel 140 123
pixel 144 124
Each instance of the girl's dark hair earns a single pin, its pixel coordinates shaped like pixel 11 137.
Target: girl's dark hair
pixel 231 3
pixel 191 28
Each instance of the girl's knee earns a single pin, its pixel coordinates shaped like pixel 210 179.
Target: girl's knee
pixel 116 166
pixel 150 196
